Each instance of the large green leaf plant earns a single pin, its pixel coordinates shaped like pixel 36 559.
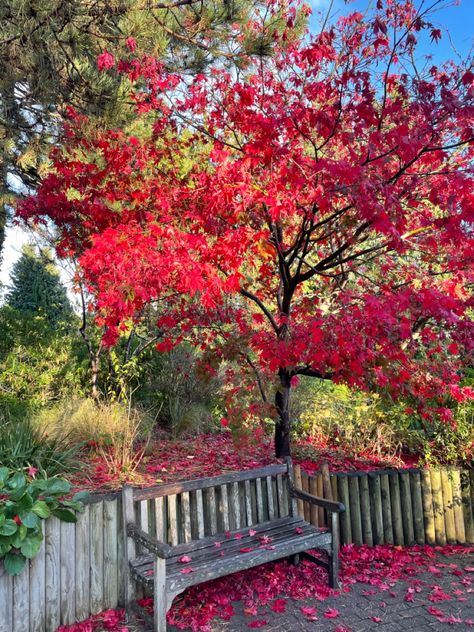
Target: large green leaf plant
pixel 24 502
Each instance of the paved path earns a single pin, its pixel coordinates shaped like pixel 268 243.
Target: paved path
pixel 368 608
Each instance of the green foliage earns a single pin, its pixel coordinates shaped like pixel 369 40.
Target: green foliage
pixel 38 365
pixel 36 289
pixel 348 418
pixel 24 502
pixel 371 424
pixel 184 400
pixel 23 444
pixel 118 432
pixel 41 356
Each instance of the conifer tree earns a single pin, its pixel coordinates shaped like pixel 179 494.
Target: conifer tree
pixel 36 289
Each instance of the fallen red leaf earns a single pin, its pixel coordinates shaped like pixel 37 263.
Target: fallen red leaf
pixel 435 611
pixel 184 559
pixel 279 605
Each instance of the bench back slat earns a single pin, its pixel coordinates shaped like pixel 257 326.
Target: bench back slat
pixel 160 519
pixel 259 499
pixel 235 505
pixel 223 510
pixel 173 537
pixel 203 483
pixel 186 512
pixel 210 511
pixel 270 497
pixel 199 533
pixel 248 503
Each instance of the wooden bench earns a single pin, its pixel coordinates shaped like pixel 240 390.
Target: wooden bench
pixel 181 534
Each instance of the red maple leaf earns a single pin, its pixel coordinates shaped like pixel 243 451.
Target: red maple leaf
pixel 279 605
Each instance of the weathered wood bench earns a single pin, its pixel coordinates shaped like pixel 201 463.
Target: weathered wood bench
pixel 181 534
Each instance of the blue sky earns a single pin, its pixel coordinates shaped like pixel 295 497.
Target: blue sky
pixel 456 17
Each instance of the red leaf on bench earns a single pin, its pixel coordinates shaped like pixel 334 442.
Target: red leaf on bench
pixel 252 532
pixel 187 570
pixel 246 549
pixel 298 530
pixel 184 559
pixel 238 536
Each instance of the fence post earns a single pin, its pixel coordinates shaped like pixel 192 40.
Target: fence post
pixel 407 511
pixel 428 511
pixel 438 509
pixel 354 502
pixel 366 516
pixel 386 509
pixel 129 545
pixel 343 496
pixel 467 506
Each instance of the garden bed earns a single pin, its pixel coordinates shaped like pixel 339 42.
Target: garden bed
pixel 204 455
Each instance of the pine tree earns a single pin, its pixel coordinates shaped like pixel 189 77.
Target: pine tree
pixel 36 289
pixel 49 51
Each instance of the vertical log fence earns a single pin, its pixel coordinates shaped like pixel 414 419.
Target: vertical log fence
pixel 79 570
pixel 401 507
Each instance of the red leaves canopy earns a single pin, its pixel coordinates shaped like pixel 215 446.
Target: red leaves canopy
pixel 316 210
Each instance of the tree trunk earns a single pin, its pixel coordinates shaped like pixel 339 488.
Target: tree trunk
pixel 282 424
pixel 94 361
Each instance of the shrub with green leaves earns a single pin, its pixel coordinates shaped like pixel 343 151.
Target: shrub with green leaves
pixel 24 502
pixel 24 444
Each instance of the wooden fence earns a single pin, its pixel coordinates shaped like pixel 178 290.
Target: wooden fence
pixel 79 571
pixel 400 507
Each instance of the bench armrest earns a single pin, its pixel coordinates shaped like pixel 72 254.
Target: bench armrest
pixel 330 505
pixel 160 549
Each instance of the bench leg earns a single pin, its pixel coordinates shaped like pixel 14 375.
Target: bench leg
pixel 159 594
pixel 333 553
pixel 294 559
pixel 333 570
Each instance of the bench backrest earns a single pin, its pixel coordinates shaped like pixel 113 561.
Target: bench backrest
pixel 189 510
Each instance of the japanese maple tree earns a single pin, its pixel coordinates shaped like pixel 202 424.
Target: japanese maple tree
pixel 311 215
